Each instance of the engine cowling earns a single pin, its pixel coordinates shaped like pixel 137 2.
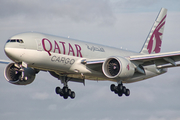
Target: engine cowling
pixel 118 67
pixel 13 75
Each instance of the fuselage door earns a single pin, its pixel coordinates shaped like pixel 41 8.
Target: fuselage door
pixel 39 44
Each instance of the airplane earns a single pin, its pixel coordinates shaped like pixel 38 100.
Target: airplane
pixel 73 60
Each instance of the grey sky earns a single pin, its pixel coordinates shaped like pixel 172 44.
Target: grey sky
pixel 118 23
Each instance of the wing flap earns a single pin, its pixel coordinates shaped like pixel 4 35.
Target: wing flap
pixel 167 66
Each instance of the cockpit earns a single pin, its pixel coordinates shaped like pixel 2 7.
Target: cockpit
pixel 15 40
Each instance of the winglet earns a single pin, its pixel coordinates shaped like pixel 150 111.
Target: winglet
pixel 154 39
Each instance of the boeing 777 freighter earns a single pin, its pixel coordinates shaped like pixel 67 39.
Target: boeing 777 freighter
pixel 73 60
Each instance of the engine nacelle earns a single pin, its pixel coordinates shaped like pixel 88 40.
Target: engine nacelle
pixel 14 75
pixel 118 67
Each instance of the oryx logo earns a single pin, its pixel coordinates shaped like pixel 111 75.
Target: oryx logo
pixel 128 67
pixel 156 34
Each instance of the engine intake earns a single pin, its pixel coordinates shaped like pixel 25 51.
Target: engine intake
pixel 118 67
pixel 13 75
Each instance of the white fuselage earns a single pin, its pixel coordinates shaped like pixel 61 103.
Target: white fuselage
pixel 65 56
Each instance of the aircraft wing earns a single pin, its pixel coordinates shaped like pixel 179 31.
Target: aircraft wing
pixel 162 60
pixel 4 61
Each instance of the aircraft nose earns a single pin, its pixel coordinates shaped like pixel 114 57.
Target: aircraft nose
pixel 8 51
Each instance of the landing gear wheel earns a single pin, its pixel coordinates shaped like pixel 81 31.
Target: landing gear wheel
pixel 65 90
pixel 61 94
pixel 124 89
pixel 127 92
pixel 116 91
pixel 120 94
pixel 72 95
pixel 65 96
pixel 120 87
pixel 58 90
pixel 112 87
pixel 69 92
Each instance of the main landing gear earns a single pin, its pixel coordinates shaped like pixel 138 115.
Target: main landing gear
pixel 65 92
pixel 120 89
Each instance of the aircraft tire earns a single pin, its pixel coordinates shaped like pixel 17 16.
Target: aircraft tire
pixel 61 94
pixel 120 93
pixel 124 89
pixel 112 87
pixel 69 92
pixel 127 93
pixel 116 91
pixel 65 90
pixel 65 96
pixel 120 87
pixel 57 90
pixel 72 95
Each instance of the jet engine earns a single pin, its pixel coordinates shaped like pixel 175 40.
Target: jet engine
pixel 118 67
pixel 19 76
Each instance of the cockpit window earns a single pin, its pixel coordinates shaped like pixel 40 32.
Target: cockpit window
pixel 8 41
pixel 21 41
pixel 15 40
